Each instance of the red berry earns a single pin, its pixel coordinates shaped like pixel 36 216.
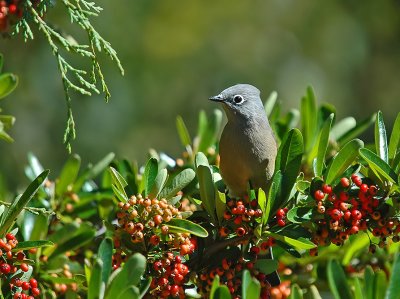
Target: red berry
pixel 281 222
pixel 364 188
pixel 281 213
pixel 33 283
pixel 336 214
pixel 35 292
pixel 327 188
pixel 240 231
pixel 5 268
pixel 356 180
pixel 347 215
pixel 345 182
pixel 356 214
pixel 344 196
pixel 10 236
pixel 255 250
pixel 372 190
pixel 157 219
pixel 24 267
pixel 25 285
pixel 319 195
pixel 174 290
pixel 154 240
pixel 354 229
pixel 20 256
pixel 240 209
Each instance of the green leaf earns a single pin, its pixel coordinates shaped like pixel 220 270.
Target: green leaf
pixel 380 138
pixel 96 285
pixel 299 243
pixel 131 292
pixel 119 184
pixel 262 202
pixel 393 290
pixel 357 130
pixel 128 276
pixel 288 160
pixel 25 245
pixel 214 286
pixel 380 284
pixel 357 244
pixel 369 277
pixel 266 266
pixel 207 190
pixel 358 291
pixel 8 82
pixel 159 183
pixel 250 287
pixel 270 103
pixel 220 205
pixel 221 292
pixel 1 62
pixel 343 159
pixel 296 292
pixel 313 293
pixel 77 241
pixel 149 176
pixel 394 143
pixel 20 202
pixel 93 171
pixel 320 147
pixel 183 132
pixel 300 214
pixel 68 175
pixel 342 127
pixel 180 181
pixel 308 111
pixel 105 255
pixel 337 280
pixel 186 226
pixel 210 135
pixel 378 165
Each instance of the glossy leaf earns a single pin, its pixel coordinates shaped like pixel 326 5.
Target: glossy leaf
pixel 25 245
pixel 266 266
pixel 380 138
pixel 296 292
pixel 288 161
pixel 96 285
pixel 342 160
pixel 299 243
pixel 319 150
pixel 207 190
pixel 357 244
pixel 186 226
pixel 380 284
pixel 129 276
pixel 357 130
pixel 8 82
pixel 93 171
pixel 337 281
pixel 131 292
pixel 222 292
pixel 119 184
pixel 149 175
pixel 358 291
pixel 20 202
pixel 105 255
pixel 313 293
pixel 270 103
pixel 308 112
pixel 342 127
pixel 220 205
pixel 369 277
pixel 262 203
pixel 214 286
pixel 393 290
pixel 180 181
pixel 210 134
pixel 394 143
pixel 68 174
pixel 1 62
pixel 299 214
pixel 250 287
pixel 159 183
pixel 183 132
pixel 378 165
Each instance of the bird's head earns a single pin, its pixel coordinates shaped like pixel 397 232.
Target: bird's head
pixel 240 101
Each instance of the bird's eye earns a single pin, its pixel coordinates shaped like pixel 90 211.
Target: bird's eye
pixel 238 99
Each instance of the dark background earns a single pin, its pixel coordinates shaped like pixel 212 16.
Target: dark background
pixel 178 53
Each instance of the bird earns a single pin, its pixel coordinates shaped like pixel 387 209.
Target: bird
pixel 247 145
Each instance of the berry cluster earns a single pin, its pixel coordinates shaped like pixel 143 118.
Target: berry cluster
pixel 142 224
pixel 230 273
pixel 353 205
pixel 10 263
pixel 240 217
pixel 10 11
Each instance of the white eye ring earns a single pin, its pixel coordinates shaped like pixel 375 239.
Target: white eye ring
pixel 238 99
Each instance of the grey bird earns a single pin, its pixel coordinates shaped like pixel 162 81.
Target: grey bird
pixel 247 147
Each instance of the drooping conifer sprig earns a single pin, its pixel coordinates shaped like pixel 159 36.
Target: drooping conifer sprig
pixel 77 79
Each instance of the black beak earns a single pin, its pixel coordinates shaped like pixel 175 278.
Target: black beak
pixel 217 98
